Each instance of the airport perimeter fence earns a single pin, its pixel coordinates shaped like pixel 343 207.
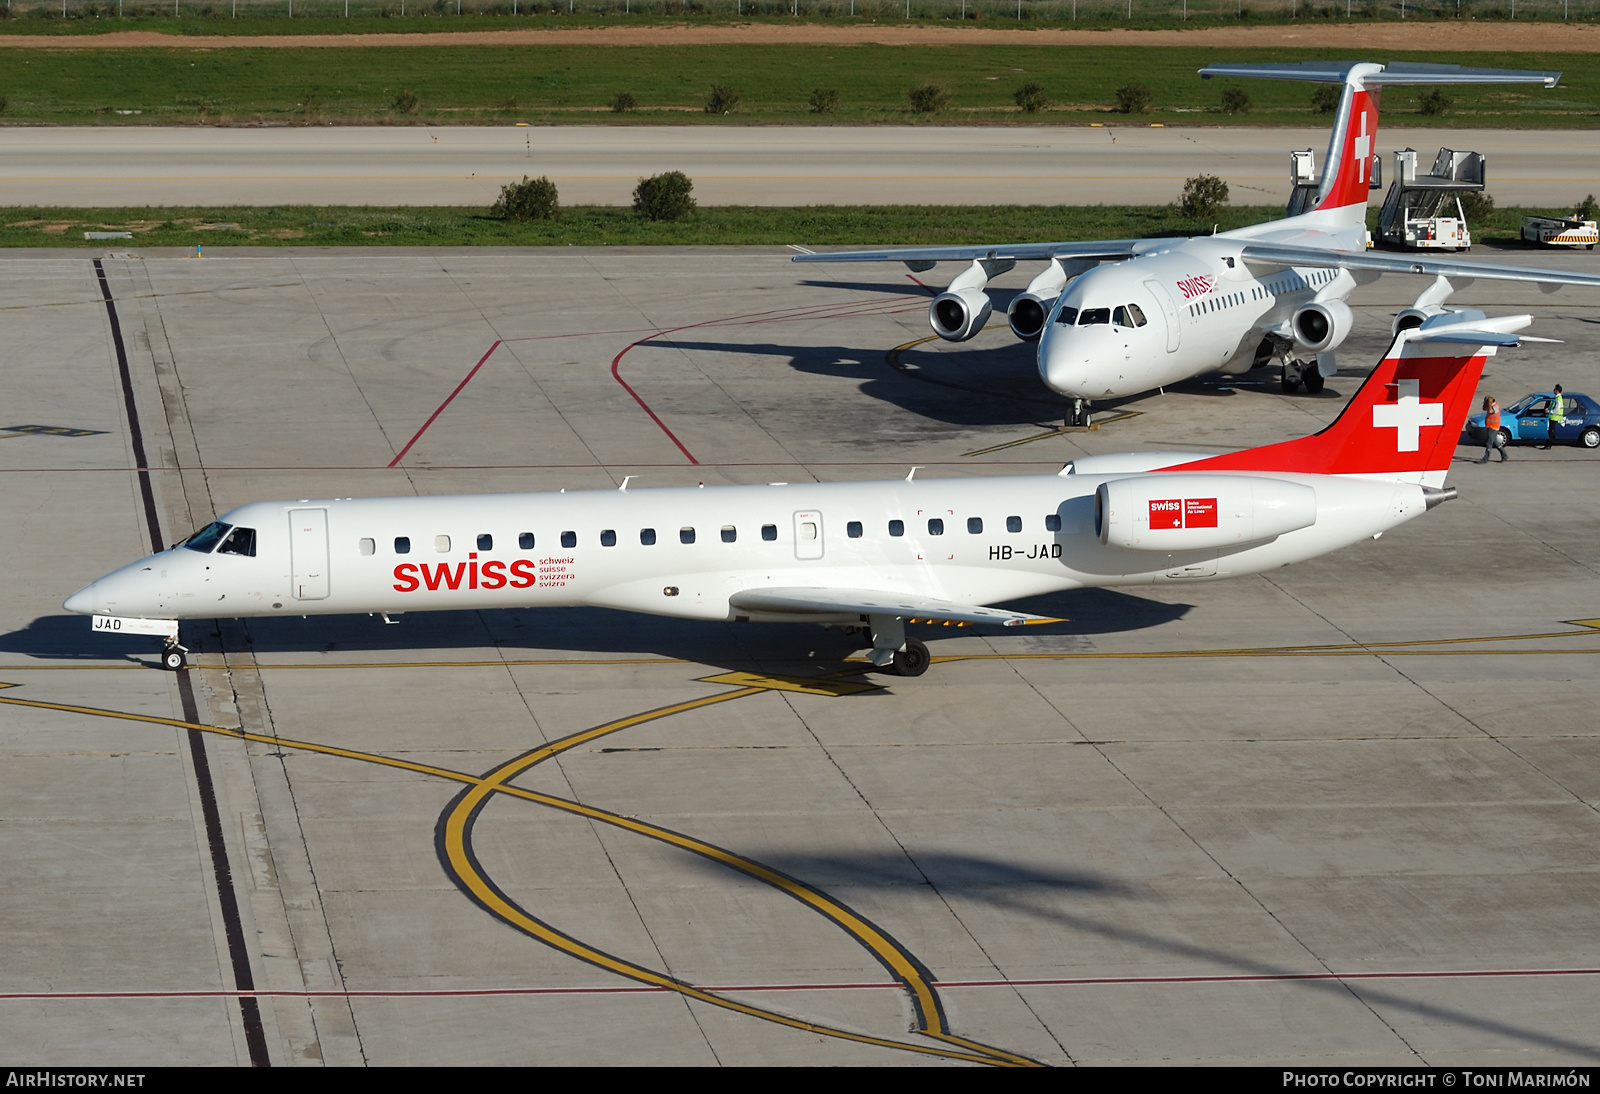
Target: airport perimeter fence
pixel 1142 12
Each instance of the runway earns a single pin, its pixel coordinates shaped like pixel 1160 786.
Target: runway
pixel 1341 814
pixel 799 165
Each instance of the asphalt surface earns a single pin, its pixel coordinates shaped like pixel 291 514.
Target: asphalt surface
pixel 776 165
pixel 1344 813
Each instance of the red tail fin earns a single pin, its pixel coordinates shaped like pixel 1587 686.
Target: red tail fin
pixel 1404 421
pixel 1350 150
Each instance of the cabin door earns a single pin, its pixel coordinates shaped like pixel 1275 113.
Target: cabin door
pixel 308 553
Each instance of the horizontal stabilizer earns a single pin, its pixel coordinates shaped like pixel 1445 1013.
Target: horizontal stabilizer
pixel 821 601
pixel 1335 72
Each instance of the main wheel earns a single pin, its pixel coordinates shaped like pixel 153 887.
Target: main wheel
pixel 1291 381
pixel 173 658
pixel 1313 381
pixel 913 660
pixel 1591 437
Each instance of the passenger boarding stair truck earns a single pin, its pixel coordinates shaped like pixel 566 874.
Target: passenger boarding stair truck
pixel 1423 212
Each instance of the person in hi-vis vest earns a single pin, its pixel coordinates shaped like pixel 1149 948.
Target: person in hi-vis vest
pixel 1558 416
pixel 1492 437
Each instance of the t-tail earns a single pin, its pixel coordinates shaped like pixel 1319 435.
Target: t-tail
pixel 1405 421
pixel 1350 170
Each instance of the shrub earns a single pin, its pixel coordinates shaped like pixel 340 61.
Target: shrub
pixel 406 102
pixel 1202 196
pixel 1433 102
pixel 664 197
pixel 1325 99
pixel 624 103
pixel 1135 98
pixel 1030 96
pixel 722 100
pixel 4 102
pixel 1235 101
pixel 824 100
pixel 929 99
pixel 530 199
pixel 1584 210
pixel 1476 206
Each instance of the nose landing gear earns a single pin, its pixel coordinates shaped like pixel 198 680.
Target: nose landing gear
pixel 1078 416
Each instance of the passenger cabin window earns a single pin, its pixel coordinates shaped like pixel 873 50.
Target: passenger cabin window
pixel 242 541
pixel 1067 317
pixel 647 536
pixel 368 547
pixel 975 526
pixel 569 539
pixel 1013 524
pixel 935 526
pixel 208 537
pixel 441 544
pixel 685 535
pixel 808 530
pixel 729 533
pixel 853 529
pixel 525 541
pixel 402 545
pixel 769 532
pixel 485 542
pixel 608 538
pixel 897 527
pixel 1090 317
pixel 1052 522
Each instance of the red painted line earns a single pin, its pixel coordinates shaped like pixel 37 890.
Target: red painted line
pixel 616 363
pixel 636 989
pixel 464 382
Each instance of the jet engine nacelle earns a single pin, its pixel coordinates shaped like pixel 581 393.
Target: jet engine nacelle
pixel 1410 318
pixel 960 311
pixel 1187 512
pixel 1322 325
pixel 1032 306
pixel 958 314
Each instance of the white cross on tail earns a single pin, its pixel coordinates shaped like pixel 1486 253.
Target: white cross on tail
pixel 1407 416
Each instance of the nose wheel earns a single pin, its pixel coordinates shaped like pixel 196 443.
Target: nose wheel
pixel 1078 416
pixel 174 657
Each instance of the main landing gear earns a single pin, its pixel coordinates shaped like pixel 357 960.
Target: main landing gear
pixel 1077 417
pixel 1298 374
pixel 892 650
pixel 174 657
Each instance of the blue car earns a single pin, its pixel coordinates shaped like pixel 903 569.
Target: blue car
pixel 1527 421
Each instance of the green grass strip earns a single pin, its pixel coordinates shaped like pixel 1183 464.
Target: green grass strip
pixel 596 226
pixel 554 84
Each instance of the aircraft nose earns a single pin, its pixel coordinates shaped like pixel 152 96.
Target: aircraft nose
pixel 82 601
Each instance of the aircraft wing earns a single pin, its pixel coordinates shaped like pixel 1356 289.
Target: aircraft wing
pixel 1104 248
pixel 1287 254
pixel 907 606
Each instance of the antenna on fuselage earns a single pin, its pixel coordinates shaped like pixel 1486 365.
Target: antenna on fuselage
pixel 913 473
pixel 626 479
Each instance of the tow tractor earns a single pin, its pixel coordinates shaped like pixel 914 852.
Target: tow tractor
pixel 1423 211
pixel 1573 231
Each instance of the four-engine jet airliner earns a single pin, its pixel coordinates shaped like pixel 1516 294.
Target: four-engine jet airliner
pixel 871 556
pixel 1162 310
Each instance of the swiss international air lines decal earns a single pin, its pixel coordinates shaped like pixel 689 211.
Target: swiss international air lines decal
pixel 1195 287
pixel 1173 513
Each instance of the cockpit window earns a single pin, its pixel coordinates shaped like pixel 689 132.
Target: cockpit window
pixel 1067 316
pixel 1091 316
pixel 208 537
pixel 242 541
pixel 1136 313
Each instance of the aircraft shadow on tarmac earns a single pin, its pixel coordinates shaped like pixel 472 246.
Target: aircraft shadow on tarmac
pixel 527 632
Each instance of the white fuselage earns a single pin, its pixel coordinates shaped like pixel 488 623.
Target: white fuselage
pixel 1203 310
pixel 973 541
